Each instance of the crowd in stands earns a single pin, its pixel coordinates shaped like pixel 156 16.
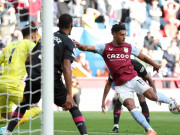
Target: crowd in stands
pixel 159 18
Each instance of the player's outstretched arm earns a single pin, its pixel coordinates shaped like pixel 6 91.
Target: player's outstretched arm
pixel 68 81
pixel 149 61
pixel 106 91
pixel 81 47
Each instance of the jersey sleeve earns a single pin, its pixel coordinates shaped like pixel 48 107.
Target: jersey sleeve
pixel 99 49
pixel 110 79
pixel 134 51
pixel 141 70
pixel 69 52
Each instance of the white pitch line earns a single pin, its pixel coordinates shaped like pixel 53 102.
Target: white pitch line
pixel 63 131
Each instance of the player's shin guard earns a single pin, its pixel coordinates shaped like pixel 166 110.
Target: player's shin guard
pixel 145 110
pixel 31 113
pixel 2 120
pixel 140 119
pixel 78 120
pixel 117 113
pixel 17 115
pixel 162 98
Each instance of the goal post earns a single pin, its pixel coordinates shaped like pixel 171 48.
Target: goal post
pixel 47 84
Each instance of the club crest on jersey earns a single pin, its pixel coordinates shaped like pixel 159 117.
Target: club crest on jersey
pixel 110 49
pixel 125 49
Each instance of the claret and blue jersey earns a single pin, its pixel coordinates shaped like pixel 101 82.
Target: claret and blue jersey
pixel 117 58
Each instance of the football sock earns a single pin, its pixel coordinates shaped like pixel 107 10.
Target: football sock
pixel 2 120
pixel 163 98
pixel 145 110
pixel 78 120
pixel 31 113
pixel 117 113
pixel 140 119
pixel 17 115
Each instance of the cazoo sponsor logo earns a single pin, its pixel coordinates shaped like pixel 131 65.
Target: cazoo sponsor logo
pixel 118 56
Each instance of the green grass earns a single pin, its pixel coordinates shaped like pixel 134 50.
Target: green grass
pixel 164 123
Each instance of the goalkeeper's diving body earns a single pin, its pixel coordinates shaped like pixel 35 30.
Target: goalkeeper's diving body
pixel 63 57
pixel 11 82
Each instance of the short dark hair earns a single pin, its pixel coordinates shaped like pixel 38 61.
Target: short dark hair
pixel 28 29
pixel 118 27
pixel 64 21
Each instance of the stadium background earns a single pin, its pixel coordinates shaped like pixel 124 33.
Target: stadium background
pixel 92 25
pixel 16 12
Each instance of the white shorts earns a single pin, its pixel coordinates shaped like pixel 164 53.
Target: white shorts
pixel 127 90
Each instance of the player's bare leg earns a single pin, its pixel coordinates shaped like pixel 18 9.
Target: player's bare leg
pixel 160 97
pixel 130 105
pixel 144 107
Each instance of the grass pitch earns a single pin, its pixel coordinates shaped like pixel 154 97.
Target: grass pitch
pixel 164 123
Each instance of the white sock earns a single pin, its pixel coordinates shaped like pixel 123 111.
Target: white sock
pixel 116 125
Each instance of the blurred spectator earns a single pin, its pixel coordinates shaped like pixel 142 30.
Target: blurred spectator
pixel 149 41
pixel 177 38
pixel 5 6
pixel 174 47
pixel 125 4
pixel 7 40
pixel 155 13
pixel 135 29
pixel 12 19
pixel 86 3
pixel 171 28
pixel 5 27
pixel 177 73
pixel 88 19
pixel 78 9
pixel 17 35
pixel 163 72
pixel 102 19
pixel 116 6
pixel 76 91
pixel 55 12
pixel 157 44
pixel 170 10
pixel 83 62
pixel 22 13
pixel 170 58
pixel 34 10
pixel 62 7
pixel 177 69
pixel 102 72
pixel 138 11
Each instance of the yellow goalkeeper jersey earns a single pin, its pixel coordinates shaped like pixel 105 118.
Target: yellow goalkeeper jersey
pixel 14 57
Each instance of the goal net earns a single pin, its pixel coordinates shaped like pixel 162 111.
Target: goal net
pixel 14 16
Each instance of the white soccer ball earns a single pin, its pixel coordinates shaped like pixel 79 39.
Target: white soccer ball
pixel 174 106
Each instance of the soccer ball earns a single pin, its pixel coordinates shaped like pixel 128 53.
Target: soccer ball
pixel 174 106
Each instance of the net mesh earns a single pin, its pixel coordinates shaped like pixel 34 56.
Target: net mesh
pixel 14 16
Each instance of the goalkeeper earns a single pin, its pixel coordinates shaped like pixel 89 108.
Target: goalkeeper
pixel 11 87
pixel 64 55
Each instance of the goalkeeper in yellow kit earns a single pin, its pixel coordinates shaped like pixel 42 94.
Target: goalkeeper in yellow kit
pixel 11 87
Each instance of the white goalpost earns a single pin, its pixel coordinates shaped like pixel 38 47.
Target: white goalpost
pixel 47 84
